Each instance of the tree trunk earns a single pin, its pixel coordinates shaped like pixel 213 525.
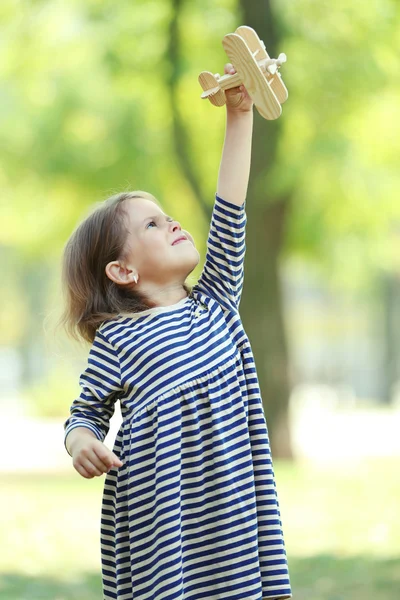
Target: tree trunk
pixel 261 305
pixel 391 337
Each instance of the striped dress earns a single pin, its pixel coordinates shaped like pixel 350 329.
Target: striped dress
pixel 193 513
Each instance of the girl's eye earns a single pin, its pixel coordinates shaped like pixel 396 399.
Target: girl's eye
pixel 169 220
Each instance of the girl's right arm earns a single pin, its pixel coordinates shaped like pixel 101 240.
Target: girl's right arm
pixel 88 425
pixel 77 435
pixel 90 457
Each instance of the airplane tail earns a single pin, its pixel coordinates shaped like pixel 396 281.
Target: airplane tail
pixel 212 89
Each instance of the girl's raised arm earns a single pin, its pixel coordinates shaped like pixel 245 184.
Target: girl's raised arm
pixel 223 272
pixel 234 169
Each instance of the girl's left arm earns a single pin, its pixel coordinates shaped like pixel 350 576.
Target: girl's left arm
pixel 234 169
pixel 223 272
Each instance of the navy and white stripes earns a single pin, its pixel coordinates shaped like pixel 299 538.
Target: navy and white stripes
pixel 223 272
pixel 100 384
pixel 193 513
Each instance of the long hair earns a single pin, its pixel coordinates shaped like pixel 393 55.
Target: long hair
pixel 90 296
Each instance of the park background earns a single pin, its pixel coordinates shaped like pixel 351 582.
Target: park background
pixel 99 97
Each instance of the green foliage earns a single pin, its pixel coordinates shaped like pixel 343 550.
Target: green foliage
pixel 338 153
pixel 86 110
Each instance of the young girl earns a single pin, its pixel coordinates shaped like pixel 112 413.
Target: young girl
pixel 189 508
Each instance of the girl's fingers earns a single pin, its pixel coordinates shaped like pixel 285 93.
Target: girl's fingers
pixel 94 467
pixel 107 459
pixel 229 69
pixel 82 471
pixel 102 461
pixel 117 462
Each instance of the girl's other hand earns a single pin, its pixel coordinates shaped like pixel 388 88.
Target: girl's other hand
pixel 91 458
pixel 237 98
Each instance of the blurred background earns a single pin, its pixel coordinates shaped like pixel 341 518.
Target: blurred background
pixel 98 97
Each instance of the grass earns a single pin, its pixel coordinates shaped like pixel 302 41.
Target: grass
pixel 341 527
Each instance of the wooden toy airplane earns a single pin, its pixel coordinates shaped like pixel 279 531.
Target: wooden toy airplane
pixel 254 69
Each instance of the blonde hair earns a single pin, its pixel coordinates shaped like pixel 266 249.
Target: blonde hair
pixel 90 296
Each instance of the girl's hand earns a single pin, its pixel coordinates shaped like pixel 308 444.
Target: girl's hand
pixel 92 458
pixel 237 98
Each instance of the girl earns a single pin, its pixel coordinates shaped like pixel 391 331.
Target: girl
pixel 189 508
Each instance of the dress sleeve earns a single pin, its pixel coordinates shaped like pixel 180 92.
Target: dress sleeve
pixel 223 272
pixel 100 387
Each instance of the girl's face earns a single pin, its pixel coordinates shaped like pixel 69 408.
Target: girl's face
pixel 149 250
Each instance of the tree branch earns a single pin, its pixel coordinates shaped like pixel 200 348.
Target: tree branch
pixel 181 140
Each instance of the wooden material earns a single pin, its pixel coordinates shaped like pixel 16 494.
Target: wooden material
pixel 257 46
pixel 254 69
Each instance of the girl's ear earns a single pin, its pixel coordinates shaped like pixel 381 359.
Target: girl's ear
pixel 120 274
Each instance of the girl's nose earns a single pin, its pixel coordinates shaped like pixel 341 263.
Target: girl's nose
pixel 175 225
